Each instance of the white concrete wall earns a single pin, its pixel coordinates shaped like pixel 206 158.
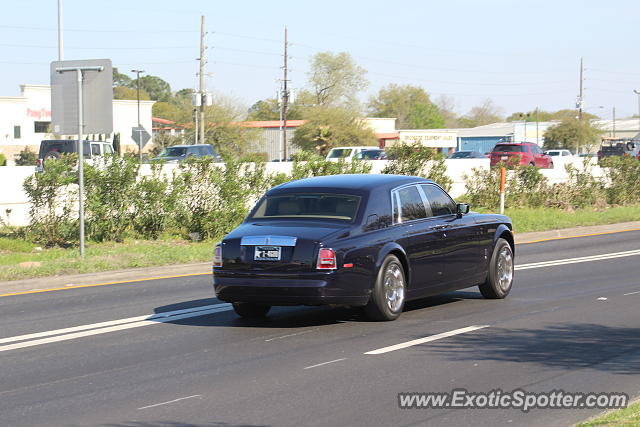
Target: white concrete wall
pixel 13 197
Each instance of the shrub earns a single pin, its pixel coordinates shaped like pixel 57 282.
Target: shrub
pixel 307 164
pixel 3 160
pixel 213 199
pixel 109 196
pixel 26 157
pixel 622 175
pixel 153 204
pixel 418 160
pixel 52 195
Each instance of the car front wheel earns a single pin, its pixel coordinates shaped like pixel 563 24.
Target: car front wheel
pixel 250 310
pixel 500 275
pixel 387 299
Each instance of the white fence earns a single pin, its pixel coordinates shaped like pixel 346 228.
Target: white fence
pixel 13 197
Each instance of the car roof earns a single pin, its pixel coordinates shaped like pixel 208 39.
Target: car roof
pixel 188 145
pixel 361 182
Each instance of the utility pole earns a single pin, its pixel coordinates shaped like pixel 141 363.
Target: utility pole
pixel 580 97
pixel 537 131
pixel 60 31
pixel 614 121
pixel 139 125
pixel 637 92
pixel 285 97
pixel 202 88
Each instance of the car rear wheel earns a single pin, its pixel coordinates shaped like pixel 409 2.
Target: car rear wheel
pixel 250 310
pixel 500 275
pixel 387 299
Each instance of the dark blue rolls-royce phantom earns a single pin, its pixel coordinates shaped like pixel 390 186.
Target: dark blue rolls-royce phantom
pixel 360 240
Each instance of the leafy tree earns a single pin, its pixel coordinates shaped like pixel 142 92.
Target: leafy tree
pixel 269 109
pixel 572 134
pixel 411 106
pixel 158 89
pixel 178 111
pixel 545 116
pixel 266 109
pixel 335 79
pixel 480 115
pixel 123 92
pixel 332 127
pixel 120 79
pixel 447 105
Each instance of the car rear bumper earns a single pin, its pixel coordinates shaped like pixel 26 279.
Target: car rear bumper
pixel 317 289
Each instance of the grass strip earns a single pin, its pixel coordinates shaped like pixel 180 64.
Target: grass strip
pixel 629 417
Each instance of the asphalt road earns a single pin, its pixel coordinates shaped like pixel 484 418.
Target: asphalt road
pixel 94 356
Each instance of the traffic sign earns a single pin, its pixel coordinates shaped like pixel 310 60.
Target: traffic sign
pixel 140 135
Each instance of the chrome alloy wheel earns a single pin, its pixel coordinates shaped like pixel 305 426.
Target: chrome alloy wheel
pixel 505 268
pixel 394 287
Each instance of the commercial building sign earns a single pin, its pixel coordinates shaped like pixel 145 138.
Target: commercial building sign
pixel 428 138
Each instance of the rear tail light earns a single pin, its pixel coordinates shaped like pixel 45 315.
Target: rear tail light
pixel 217 256
pixel 326 259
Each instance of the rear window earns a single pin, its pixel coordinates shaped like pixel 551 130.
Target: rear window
pixel 339 153
pixel 371 154
pixel 510 148
pixel 309 205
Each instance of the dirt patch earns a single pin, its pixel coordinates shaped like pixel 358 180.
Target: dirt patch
pixel 30 264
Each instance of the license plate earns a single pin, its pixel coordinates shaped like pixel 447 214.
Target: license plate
pixel 267 253
pixel 504 157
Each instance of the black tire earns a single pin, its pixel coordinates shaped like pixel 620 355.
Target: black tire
pixel 532 164
pixel 250 310
pixel 388 297
pixel 500 275
pixel 50 155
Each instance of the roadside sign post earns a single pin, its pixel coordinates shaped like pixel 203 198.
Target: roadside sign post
pixel 503 178
pixel 140 135
pixel 62 113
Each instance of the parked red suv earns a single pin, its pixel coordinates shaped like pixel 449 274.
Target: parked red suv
pixel 530 154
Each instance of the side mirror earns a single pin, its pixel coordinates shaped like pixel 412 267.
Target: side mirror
pixel 462 208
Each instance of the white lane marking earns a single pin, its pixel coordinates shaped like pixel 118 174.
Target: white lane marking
pixel 119 327
pixel 426 339
pixel 577 260
pixel 171 401
pixel 602 299
pixel 289 335
pixel 632 293
pixel 108 323
pixel 326 363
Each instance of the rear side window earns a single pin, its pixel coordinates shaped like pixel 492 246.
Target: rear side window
pixel 411 204
pixel 95 149
pixel 440 202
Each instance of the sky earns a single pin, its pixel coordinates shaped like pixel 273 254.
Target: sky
pixel 519 55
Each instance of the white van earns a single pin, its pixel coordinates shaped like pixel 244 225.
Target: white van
pixel 350 153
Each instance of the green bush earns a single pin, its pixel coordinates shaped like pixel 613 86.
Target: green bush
pixel 418 160
pixel 307 164
pixel 622 176
pixel 110 186
pixel 154 204
pixel 53 195
pixel 3 160
pixel 26 157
